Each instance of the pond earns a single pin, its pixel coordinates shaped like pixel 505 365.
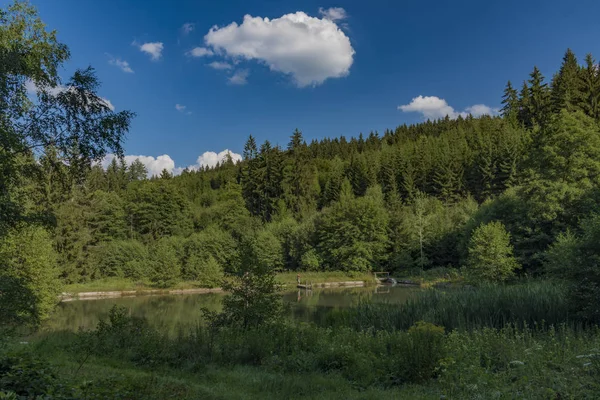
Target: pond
pixel 173 312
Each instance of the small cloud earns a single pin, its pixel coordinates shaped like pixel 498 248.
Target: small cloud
pixel 239 77
pixel 432 107
pixel 154 49
pixel 187 28
pixel 478 110
pixel 200 52
pixel 117 62
pixel 333 13
pixel 180 107
pixel 220 65
pixel 211 159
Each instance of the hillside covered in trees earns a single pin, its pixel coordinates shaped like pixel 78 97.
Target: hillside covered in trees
pixel 408 198
pixel 513 193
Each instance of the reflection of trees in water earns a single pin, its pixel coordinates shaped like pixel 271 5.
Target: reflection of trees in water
pixel 176 313
pixel 168 313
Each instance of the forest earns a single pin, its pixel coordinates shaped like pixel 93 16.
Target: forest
pixel 494 199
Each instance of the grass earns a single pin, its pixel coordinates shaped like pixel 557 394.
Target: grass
pixel 432 277
pixel 528 303
pixel 284 278
pixel 482 364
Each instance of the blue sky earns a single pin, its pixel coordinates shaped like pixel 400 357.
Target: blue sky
pixel 340 68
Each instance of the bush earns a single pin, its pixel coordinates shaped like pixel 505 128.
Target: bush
pixel 29 271
pixel 576 260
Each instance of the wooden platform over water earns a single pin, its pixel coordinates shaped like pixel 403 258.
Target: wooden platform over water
pixel 310 285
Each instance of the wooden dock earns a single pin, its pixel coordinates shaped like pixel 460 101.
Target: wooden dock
pixel 310 285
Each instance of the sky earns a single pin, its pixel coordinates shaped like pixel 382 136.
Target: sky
pixel 203 75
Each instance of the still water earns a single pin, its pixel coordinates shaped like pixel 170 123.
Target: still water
pixel 173 312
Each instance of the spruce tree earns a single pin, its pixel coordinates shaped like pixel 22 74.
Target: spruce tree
pixel 566 86
pixel 510 103
pixel 539 98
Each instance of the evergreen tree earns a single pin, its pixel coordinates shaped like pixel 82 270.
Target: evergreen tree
pixel 539 98
pixel 566 86
pixel 137 171
pixel 510 103
pixel 590 84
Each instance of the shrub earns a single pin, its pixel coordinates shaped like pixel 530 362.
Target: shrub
pixel 29 272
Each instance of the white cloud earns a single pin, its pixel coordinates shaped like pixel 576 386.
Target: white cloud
pixel 333 13
pixel 433 108
pixel 200 52
pixel 32 90
pixel 220 65
pixel 124 65
pixel 239 77
pixel 187 28
pixel 309 49
pixel 210 158
pixel 478 110
pixel 154 49
pixel 156 165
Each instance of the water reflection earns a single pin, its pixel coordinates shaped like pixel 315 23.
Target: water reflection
pixel 173 312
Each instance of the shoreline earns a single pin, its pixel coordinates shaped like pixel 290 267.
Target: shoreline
pixel 114 294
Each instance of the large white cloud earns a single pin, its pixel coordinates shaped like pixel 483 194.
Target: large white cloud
pixel 432 107
pixel 156 165
pixel 309 49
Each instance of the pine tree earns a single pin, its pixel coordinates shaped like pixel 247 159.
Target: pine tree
pixel 539 98
pixel 510 103
pixel 525 117
pixel 590 86
pixel 566 86
pixel 137 171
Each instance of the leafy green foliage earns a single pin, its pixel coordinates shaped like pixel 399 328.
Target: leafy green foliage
pixel 491 254
pixel 575 259
pixel 28 266
pixel 352 235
